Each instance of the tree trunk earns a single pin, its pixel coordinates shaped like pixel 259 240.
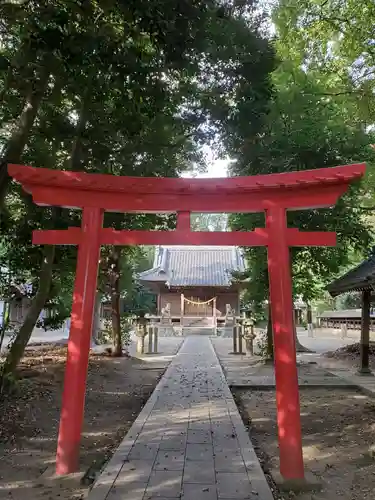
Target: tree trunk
pixel 115 301
pixel 17 141
pixel 20 60
pixel 299 346
pixel 97 318
pixel 5 324
pixel 308 313
pixel 310 330
pixel 6 84
pixel 270 353
pixel 75 162
pixel 23 336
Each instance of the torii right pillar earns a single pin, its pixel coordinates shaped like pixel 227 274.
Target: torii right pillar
pixel 287 394
pixel 291 475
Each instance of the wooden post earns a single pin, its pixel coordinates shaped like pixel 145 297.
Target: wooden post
pixel 251 340
pixel 150 331
pixel 214 315
pixel 296 316
pixel 234 339
pixel 240 328
pixel 82 317
pixel 155 339
pixel 159 304
pixel 310 328
pixel 287 393
pixel 182 309
pixel 364 368
pixel 344 331
pixel 141 345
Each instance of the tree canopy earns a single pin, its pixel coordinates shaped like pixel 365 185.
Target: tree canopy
pixel 126 88
pixel 333 38
pixel 308 128
pixel 142 88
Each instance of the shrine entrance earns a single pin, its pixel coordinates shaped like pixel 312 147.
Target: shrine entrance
pixel 274 194
pixel 197 306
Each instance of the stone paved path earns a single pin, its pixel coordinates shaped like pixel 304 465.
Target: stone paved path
pixel 250 372
pixel 189 440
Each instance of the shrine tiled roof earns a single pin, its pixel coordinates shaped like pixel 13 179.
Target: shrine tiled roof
pixel 195 266
pixel 359 278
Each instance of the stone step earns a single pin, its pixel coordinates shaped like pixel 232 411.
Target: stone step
pixel 225 331
pixel 194 321
pixel 197 331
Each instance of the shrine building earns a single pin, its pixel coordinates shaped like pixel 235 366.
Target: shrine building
pixel 197 282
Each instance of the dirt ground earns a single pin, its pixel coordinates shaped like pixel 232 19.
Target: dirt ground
pixel 338 428
pixel 117 389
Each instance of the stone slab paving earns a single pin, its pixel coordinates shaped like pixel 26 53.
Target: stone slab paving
pixel 189 440
pixel 341 369
pixel 365 382
pixel 247 371
pixel 167 348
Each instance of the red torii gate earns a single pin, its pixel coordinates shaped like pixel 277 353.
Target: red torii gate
pixel 274 194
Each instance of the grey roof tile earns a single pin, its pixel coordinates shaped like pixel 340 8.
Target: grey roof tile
pixel 195 266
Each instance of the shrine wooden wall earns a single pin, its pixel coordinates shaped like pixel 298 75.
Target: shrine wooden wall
pixel 222 298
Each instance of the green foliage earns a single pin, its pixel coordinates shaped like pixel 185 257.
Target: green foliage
pixel 306 130
pixel 333 39
pixel 106 334
pixel 138 300
pixel 21 262
pixel 261 342
pixel 135 298
pixel 209 222
pixel 133 88
pixel 140 80
pixel 351 300
pixel 127 88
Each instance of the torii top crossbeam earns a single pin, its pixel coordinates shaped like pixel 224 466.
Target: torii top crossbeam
pixel 291 190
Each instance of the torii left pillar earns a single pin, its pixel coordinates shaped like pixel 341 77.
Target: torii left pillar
pixel 73 400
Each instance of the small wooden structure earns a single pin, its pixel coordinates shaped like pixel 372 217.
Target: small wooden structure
pixel 350 318
pixel 196 283
pixel 361 279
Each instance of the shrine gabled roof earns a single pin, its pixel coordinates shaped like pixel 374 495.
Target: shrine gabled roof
pixel 194 266
pixel 361 277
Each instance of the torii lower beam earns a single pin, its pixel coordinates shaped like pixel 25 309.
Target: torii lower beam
pixel 256 238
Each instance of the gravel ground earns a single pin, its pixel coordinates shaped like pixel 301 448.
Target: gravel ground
pixel 338 434
pixel 117 389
